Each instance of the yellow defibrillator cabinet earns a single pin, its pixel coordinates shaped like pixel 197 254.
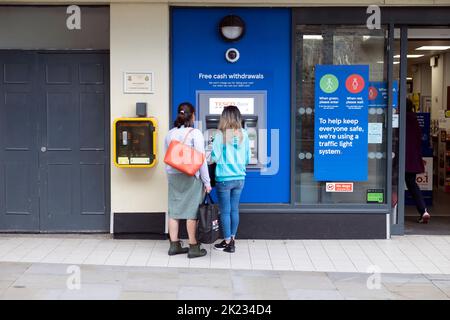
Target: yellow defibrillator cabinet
pixel 135 142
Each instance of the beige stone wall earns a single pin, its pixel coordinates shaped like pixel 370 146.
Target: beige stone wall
pixel 140 42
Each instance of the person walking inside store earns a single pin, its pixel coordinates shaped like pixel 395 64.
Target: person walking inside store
pixel 231 153
pixel 186 192
pixel 414 163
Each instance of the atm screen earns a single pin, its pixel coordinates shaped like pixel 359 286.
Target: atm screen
pixel 245 105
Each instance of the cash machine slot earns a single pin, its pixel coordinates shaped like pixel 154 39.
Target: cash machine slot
pixel 212 123
pixel 250 123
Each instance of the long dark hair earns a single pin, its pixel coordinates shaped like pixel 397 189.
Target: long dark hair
pixel 184 117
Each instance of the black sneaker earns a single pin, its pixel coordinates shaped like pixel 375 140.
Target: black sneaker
pixel 229 247
pixel 221 246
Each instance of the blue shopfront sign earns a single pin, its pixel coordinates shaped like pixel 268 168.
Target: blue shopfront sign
pixel 378 94
pixel 198 64
pixel 341 121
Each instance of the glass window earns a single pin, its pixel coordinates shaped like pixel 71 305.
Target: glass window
pixel 337 45
pixel 396 131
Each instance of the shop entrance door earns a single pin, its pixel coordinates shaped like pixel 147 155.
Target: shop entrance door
pixel 54 142
pixel 422 56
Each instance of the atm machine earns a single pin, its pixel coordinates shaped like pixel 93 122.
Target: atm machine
pixel 252 105
pixel 250 123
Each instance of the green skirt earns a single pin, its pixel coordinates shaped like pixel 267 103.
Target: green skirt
pixel 185 195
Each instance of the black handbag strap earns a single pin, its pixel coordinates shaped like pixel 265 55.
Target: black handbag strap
pixel 209 198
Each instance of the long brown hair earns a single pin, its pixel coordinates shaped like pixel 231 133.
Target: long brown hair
pixel 230 124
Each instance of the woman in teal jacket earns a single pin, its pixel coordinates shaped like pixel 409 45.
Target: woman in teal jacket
pixel 231 152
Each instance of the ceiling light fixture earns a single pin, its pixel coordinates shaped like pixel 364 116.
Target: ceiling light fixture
pixel 312 37
pixel 381 62
pixel 410 56
pixel 434 48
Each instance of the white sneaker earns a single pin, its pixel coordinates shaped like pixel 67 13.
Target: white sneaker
pixel 425 218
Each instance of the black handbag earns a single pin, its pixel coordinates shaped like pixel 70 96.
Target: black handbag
pixel 208 221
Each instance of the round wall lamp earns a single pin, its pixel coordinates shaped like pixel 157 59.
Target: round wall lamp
pixel 232 28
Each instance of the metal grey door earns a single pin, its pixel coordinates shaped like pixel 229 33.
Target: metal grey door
pixel 19 202
pixel 68 134
pixel 74 152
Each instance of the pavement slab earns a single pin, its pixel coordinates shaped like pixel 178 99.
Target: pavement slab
pixel 51 281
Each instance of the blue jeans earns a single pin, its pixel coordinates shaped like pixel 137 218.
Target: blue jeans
pixel 229 193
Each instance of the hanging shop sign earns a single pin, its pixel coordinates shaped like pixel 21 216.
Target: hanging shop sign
pixel 341 122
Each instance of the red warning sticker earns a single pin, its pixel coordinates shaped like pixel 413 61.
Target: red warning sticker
pixel 339 187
